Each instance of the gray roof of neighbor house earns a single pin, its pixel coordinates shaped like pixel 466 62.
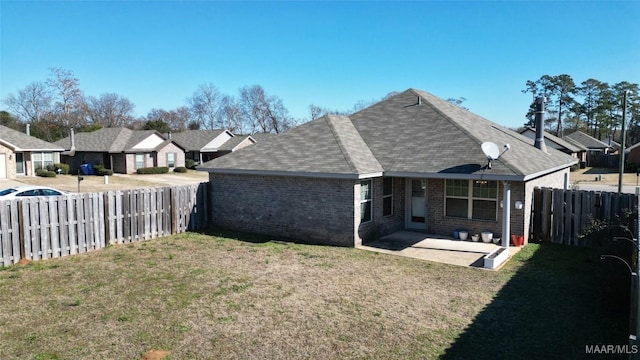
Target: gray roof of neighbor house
pixel 235 141
pixel 196 140
pixel 412 134
pixel 613 144
pixel 585 140
pixel 573 147
pixel 19 141
pixel 112 140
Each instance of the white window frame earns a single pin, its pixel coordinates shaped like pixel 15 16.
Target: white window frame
pixel 136 160
pixel 38 160
pixel 363 201
pixel 169 165
pixel 470 198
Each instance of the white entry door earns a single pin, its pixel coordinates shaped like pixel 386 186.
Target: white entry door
pixel 416 209
pixel 3 166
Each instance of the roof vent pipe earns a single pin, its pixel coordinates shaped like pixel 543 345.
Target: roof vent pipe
pixel 28 130
pixel 419 100
pixel 73 139
pixel 539 121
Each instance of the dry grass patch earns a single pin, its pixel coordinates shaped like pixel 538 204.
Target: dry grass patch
pixel 89 184
pixel 609 176
pixel 203 296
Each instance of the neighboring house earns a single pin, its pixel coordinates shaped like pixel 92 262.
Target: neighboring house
pixel 237 142
pixel 576 150
pixel 412 161
pixel 592 144
pixel 121 150
pixel 614 145
pixel 632 153
pixel 595 148
pixel 22 154
pixel 202 145
pixel 263 137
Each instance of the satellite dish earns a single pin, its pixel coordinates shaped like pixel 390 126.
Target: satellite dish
pixel 491 150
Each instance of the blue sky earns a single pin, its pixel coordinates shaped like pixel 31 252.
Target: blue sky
pixel 331 54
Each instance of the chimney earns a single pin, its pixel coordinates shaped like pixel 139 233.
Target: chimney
pixel 539 121
pixel 73 139
pixel 28 131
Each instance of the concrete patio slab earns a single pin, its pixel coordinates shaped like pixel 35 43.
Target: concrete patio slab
pixel 434 248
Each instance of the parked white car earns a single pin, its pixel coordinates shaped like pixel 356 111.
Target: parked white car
pixel 17 192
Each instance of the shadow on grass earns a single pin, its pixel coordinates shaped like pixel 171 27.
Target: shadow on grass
pixel 556 303
pixel 239 236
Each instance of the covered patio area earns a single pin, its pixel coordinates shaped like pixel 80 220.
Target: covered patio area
pixel 434 248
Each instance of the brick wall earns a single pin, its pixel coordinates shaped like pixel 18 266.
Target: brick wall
pixel 381 225
pixel 130 161
pixel 10 163
pixel 440 224
pixel 171 148
pixel 304 209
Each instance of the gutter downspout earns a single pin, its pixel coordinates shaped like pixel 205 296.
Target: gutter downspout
pixel 506 214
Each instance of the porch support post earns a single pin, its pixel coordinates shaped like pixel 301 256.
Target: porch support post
pixel 506 214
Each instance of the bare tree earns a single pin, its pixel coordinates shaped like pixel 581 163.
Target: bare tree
pixel 458 102
pixel 230 114
pixel 263 113
pixel 110 110
pixel 69 100
pixel 176 120
pixel 316 111
pixel 31 103
pixel 205 106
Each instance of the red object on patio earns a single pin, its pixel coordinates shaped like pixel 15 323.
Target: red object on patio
pixel 517 240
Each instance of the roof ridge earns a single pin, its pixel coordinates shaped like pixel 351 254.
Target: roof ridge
pixel 344 144
pixel 125 139
pixel 465 131
pixel 336 136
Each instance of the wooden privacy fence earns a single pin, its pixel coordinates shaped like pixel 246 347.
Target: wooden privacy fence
pixel 49 227
pixel 603 160
pixel 561 216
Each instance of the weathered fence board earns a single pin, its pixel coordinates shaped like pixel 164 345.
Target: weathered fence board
pixel 48 227
pixel 562 216
pixel 9 233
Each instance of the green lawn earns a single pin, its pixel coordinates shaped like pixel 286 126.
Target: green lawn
pixel 201 296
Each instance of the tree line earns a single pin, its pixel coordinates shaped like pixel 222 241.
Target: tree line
pixel 56 104
pixel 592 106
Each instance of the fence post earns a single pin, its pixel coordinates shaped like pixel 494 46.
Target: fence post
pixel 174 211
pixel 21 232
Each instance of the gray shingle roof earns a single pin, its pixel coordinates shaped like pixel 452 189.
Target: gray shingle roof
pixel 402 136
pixel 587 141
pixel 195 140
pixel 19 141
pixel 573 147
pixel 111 140
pixel 329 145
pixel 231 144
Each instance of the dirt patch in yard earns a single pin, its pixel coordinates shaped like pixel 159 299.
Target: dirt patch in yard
pixel 155 355
pixel 604 176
